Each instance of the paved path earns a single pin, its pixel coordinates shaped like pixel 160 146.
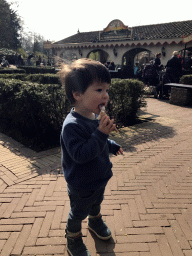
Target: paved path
pixel 148 201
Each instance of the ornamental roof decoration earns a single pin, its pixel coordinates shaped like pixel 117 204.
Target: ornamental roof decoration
pixel 117 31
pixel 115 25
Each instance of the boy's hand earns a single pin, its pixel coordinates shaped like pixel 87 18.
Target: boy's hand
pixel 120 152
pixel 106 125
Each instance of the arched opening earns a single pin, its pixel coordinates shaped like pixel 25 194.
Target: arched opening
pixel 141 56
pixel 67 55
pixel 137 55
pixel 99 55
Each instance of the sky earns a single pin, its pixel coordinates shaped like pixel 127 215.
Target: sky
pixel 59 19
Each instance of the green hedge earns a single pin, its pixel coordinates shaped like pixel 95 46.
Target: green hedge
pixel 38 70
pixel 12 71
pixel 186 79
pixel 43 78
pixel 126 98
pixel 13 76
pixel 32 113
pixel 38 78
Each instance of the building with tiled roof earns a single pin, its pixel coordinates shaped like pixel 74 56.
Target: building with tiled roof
pixel 121 44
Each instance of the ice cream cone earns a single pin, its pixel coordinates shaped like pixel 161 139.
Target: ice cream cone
pixel 103 113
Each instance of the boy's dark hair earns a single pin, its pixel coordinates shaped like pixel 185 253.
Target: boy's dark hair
pixel 79 75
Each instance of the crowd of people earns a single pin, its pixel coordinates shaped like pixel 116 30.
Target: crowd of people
pixel 17 60
pixel 155 74
pixel 148 73
pixel 174 68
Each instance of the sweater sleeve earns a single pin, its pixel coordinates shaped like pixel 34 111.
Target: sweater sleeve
pixel 81 147
pixel 113 146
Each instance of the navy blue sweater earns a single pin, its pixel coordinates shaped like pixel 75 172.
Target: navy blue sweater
pixel 85 153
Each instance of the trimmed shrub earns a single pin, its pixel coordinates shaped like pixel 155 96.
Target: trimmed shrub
pixel 43 78
pixel 12 71
pixel 38 70
pixel 186 79
pixel 38 78
pixel 32 113
pixel 126 98
pixel 13 76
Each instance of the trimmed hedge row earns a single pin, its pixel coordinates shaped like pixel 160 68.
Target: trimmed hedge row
pixel 186 79
pixel 38 70
pixel 32 113
pixel 38 78
pixel 12 71
pixel 43 78
pixel 126 98
pixel 13 76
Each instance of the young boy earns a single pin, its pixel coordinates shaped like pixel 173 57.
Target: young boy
pixel 85 149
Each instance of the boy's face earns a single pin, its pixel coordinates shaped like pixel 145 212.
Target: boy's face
pixel 92 99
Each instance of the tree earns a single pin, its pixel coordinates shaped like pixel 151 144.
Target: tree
pixel 9 26
pixel 38 43
pixel 94 55
pixel 32 42
pixel 27 41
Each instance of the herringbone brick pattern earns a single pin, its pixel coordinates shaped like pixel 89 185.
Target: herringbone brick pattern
pixel 148 201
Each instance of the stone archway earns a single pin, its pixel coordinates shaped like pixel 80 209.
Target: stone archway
pixel 129 56
pixel 99 55
pixel 133 56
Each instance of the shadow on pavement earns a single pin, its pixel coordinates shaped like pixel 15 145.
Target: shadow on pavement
pixel 104 247
pixel 128 137
pixel 147 131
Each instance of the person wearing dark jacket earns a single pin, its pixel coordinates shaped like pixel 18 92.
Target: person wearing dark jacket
pixel 188 62
pixel 174 68
pixel 157 62
pixel 85 148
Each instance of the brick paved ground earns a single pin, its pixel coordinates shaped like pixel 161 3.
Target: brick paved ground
pixel 148 201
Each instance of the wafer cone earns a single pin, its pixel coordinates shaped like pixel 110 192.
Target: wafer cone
pixel 103 113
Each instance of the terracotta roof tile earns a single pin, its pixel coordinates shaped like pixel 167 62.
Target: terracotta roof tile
pixel 157 31
pixel 166 30
pixel 81 38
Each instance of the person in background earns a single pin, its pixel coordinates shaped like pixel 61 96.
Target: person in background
pixel 20 60
pixel 112 66
pixel 16 57
pixel 187 64
pixel 85 148
pixel 150 74
pixel 136 69
pixel 157 62
pixel 174 68
pixel 29 59
pixel 5 62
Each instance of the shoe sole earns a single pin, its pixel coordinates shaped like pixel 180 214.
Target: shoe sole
pixel 69 252
pixel 100 237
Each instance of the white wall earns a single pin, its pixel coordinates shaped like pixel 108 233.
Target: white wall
pixel 122 48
